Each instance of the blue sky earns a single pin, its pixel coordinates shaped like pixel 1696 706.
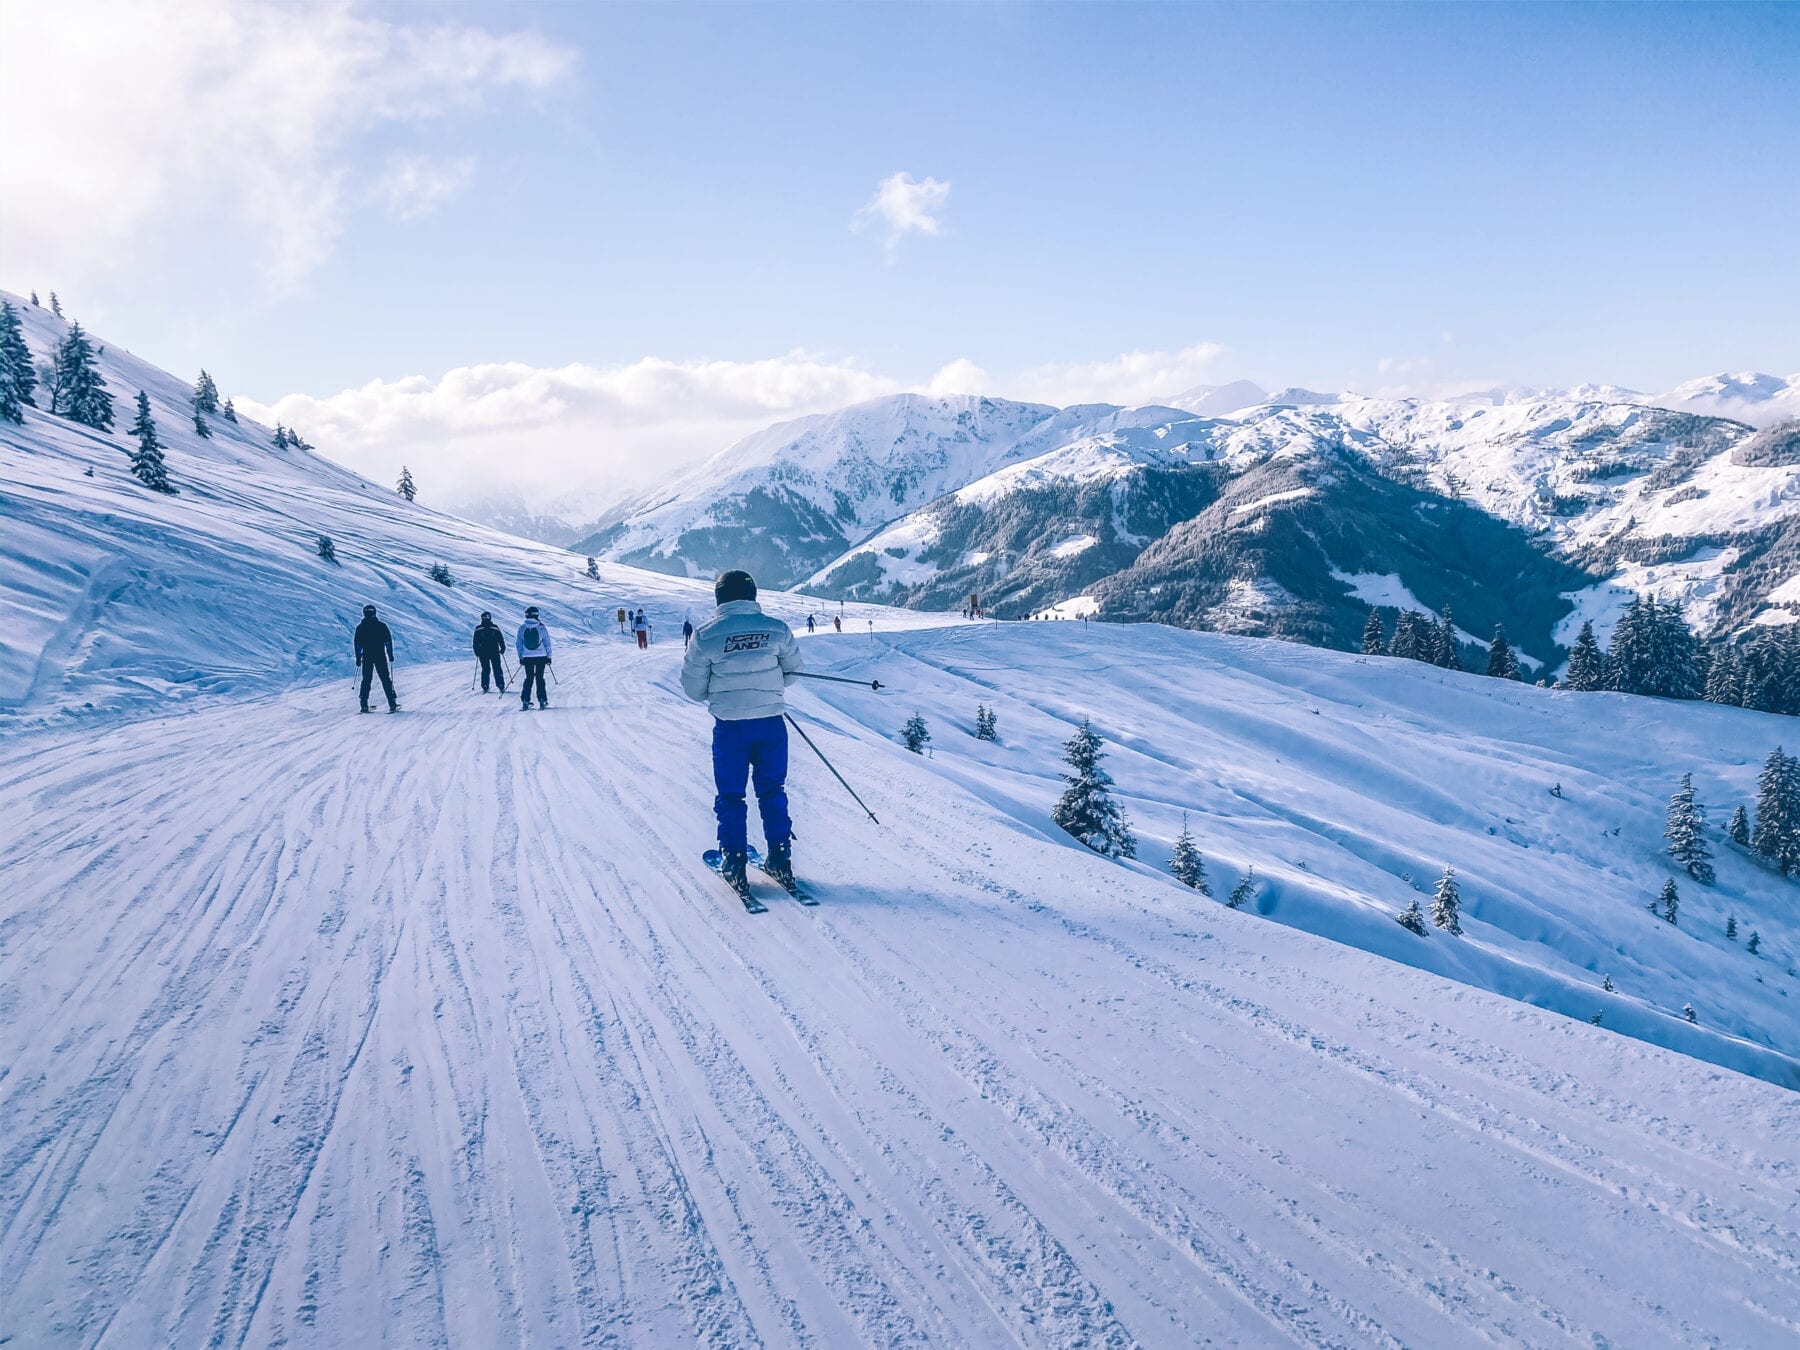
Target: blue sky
pixel 1401 196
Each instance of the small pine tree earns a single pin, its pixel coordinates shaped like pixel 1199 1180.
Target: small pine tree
pixel 281 437
pixel 1731 928
pixel 1087 809
pixel 1754 942
pixel 1686 832
pixel 1738 830
pixel 1725 678
pixel 1503 664
pixel 1446 905
pixel 327 549
pixel 1668 904
pixel 1186 864
pixel 206 394
pixel 1607 984
pixel 406 487
pixel 1777 833
pixel 1594 1020
pixel 55 305
pixel 1411 919
pixel 1374 642
pixel 1447 655
pixel 593 570
pixel 1587 667
pixel 440 573
pixel 77 389
pixel 1244 892
pixel 200 428
pixel 34 301
pixel 229 411
pixel 985 723
pixel 1687 1011
pixel 915 734
pixel 147 463
pixel 18 378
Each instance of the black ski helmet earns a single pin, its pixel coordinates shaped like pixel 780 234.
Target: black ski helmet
pixel 531 611
pixel 734 585
pixel 368 611
pixel 486 617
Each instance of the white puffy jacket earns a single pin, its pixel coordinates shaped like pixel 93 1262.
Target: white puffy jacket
pixel 741 662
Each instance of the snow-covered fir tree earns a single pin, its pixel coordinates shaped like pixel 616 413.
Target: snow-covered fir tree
pixel 1668 904
pixel 440 573
pixel 1685 829
pixel 1446 904
pixel 1731 928
pixel 206 394
pixel 1770 678
pixel 1754 942
pixel 1687 1011
pixel 1244 892
pixel 1607 984
pixel 147 464
pixel 78 390
pixel 1411 919
pixel 1738 829
pixel 1374 642
pixel 1654 651
pixel 55 305
pixel 1725 678
pixel 1502 663
pixel 1087 809
pixel 1587 667
pixel 986 724
pixel 200 428
pixel 1776 835
pixel 1185 863
pixel 406 487
pixel 34 301
pixel 915 735
pixel 229 411
pixel 18 379
pixel 327 549
pixel 593 570
pixel 1406 636
pixel 1446 653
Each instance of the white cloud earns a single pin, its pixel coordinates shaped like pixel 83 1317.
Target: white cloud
pixel 1131 379
pixel 416 185
pixel 234 114
pixel 904 205
pixel 961 376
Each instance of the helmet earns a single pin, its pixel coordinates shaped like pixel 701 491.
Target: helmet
pixel 734 585
pixel 369 610
pixel 486 617
pixel 531 611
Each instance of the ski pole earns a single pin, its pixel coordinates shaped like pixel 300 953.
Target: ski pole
pixel 839 679
pixel 834 773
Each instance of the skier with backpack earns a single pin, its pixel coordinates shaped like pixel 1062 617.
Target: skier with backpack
pixel 739 665
pixel 490 647
pixel 533 645
pixel 641 627
pixel 374 653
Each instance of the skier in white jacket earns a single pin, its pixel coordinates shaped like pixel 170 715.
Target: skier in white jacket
pixel 740 664
pixel 532 643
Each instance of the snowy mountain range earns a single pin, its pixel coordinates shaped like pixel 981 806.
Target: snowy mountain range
pixel 1179 512
pixel 435 1024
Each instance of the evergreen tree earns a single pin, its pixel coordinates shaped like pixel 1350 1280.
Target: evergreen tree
pixel 1411 919
pixel 593 570
pixel 1587 667
pixel 296 442
pixel 1777 833
pixel 406 487
pixel 1373 642
pixel 200 428
pixel 1725 678
pixel 34 301
pixel 985 723
pixel 78 390
pixel 229 412
pixel 1186 864
pixel 1675 666
pixel 1685 829
pixel 1408 629
pixel 281 437
pixel 1754 942
pixel 915 733
pixel 1502 664
pixel 18 379
pixel 55 305
pixel 1446 905
pixel 1731 928
pixel 1738 830
pixel 1446 653
pixel 1687 1011
pixel 440 573
pixel 327 549
pixel 1596 1019
pixel 1668 904
pixel 1607 984
pixel 147 463
pixel 1628 656
pixel 1243 892
pixel 1087 809
pixel 206 394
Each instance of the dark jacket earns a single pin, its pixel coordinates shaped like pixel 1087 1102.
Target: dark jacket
pixel 372 637
pixel 489 640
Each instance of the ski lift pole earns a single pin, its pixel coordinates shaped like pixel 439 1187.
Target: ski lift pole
pixel 827 763
pixel 840 679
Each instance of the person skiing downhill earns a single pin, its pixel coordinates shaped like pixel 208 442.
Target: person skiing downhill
pixel 490 646
pixel 837 622
pixel 809 623
pixel 374 652
pixel 533 646
pixel 687 632
pixel 641 627
pixel 740 664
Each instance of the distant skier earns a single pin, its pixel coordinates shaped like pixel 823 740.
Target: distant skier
pixel 490 647
pixel 533 646
pixel 641 627
pixel 739 665
pixel 837 622
pixel 810 625
pixel 374 652
pixel 687 632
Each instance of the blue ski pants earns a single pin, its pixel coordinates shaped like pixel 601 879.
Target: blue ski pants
pixel 754 749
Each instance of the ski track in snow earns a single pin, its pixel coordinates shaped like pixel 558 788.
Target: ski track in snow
pixel 433 1030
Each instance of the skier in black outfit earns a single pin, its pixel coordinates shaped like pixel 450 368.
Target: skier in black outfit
pixel 374 650
pixel 490 646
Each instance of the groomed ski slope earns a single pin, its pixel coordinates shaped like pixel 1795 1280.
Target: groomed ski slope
pixel 431 1030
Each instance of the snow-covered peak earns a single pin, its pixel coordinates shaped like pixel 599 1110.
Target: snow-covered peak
pixel 1219 400
pixel 1749 396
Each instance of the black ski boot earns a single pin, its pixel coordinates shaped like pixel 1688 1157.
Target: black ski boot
pixel 780 864
pixel 734 868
